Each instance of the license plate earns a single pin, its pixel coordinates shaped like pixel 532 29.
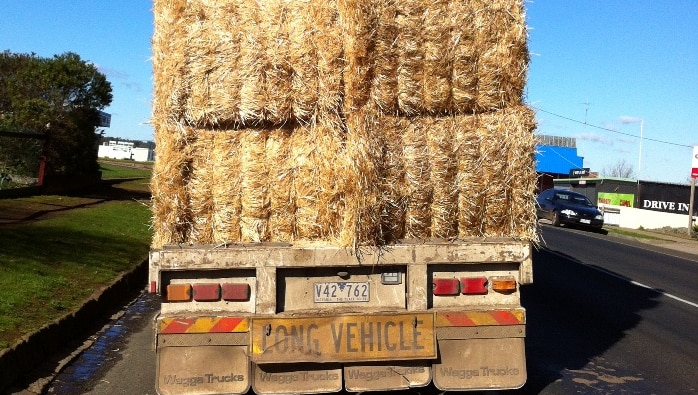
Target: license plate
pixel 585 221
pixel 341 292
pixel 347 338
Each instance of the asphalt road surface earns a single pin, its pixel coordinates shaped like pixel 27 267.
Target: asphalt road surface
pixel 604 315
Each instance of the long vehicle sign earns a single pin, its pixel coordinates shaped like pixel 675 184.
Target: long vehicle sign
pixel 343 338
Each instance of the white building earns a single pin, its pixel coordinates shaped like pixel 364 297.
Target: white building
pixel 124 150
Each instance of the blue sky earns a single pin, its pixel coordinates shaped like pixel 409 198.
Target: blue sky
pixel 600 62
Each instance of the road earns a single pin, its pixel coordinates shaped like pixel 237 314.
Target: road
pixel 605 315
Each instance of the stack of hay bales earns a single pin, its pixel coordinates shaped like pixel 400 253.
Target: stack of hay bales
pixel 344 122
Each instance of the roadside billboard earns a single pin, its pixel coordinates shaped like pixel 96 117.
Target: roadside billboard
pixel 668 198
pixel 617 199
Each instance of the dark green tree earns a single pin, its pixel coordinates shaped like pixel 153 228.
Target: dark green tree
pixel 59 97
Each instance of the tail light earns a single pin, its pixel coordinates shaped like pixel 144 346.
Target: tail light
pixel 474 285
pixel 239 292
pixel 446 286
pixel 504 285
pixel 208 292
pixel 178 293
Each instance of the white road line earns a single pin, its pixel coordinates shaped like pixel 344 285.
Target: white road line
pixel 665 294
pixel 610 273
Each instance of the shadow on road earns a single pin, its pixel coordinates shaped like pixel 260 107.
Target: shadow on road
pixel 574 314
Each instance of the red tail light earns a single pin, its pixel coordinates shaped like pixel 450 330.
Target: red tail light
pixel 238 292
pixel 446 286
pixel 207 292
pixel 474 285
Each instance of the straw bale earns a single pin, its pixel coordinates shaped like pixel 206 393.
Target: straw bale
pixel 254 186
pixel 443 168
pixel 318 184
pixel 303 57
pixel 436 33
pixel 500 42
pixel 357 22
pixel 520 120
pixel 171 216
pixel 417 165
pixel 227 188
pixel 201 180
pixel 384 84
pixel 281 194
pixel 410 71
pixel 506 151
pixel 464 63
pixel 169 89
pixel 470 180
pixel 276 18
pixel 362 219
pixel 330 52
pixel 391 171
pixel 252 62
pixel 211 75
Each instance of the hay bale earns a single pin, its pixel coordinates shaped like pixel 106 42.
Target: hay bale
pixel 348 122
pixel 384 88
pixel 278 72
pixel 464 58
pixel 202 178
pixel 362 219
pixel 252 63
pixel 506 151
pixel 409 21
pixel 282 220
pixel 169 63
pixel 303 57
pixel 227 190
pixel 357 23
pixel 470 180
pixel 211 51
pixel 254 186
pixel 418 186
pixel 500 42
pixel 329 44
pixel 435 37
pixel 319 167
pixel 170 200
pixel 391 172
pixel 443 170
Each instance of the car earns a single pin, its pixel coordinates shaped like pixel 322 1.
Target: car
pixel 564 207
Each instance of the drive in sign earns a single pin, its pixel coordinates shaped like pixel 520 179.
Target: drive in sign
pixel 694 162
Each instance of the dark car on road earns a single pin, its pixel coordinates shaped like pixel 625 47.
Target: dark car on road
pixel 563 207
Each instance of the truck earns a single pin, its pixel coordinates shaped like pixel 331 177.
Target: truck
pixel 342 196
pixel 299 320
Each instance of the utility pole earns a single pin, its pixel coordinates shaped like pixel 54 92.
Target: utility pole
pixel 690 208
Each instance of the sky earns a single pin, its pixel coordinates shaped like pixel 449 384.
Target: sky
pixel 602 71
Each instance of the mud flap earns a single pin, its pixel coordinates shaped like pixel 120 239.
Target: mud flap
pixel 297 378
pixel 480 364
pixel 383 377
pixel 199 370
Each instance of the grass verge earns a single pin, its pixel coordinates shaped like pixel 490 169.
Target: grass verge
pixel 630 233
pixel 50 266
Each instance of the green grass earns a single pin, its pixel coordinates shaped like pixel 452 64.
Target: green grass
pixel 124 169
pixel 49 267
pixel 630 233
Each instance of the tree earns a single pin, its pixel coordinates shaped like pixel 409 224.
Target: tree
pixel 619 169
pixel 59 97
